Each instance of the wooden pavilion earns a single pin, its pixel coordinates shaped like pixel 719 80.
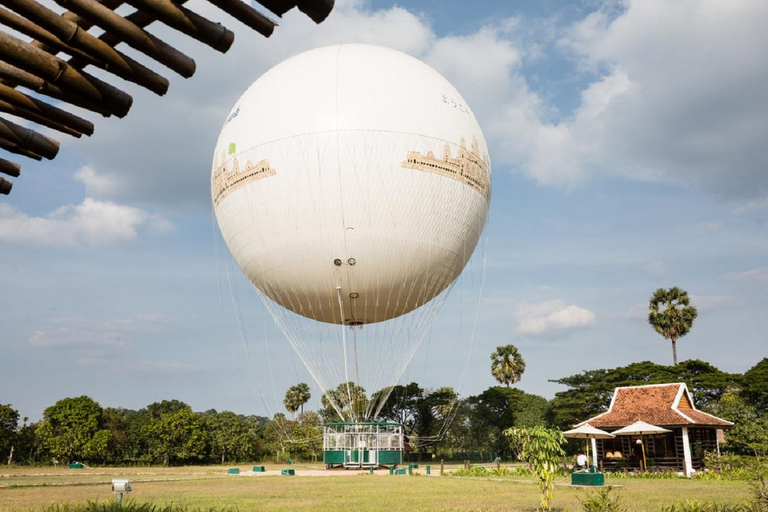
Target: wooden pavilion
pixel 47 53
pixel 693 432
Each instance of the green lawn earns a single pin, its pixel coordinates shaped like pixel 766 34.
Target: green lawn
pixel 205 487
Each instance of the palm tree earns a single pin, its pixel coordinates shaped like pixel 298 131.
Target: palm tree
pixel 671 315
pixel 302 394
pixel 507 365
pixel 296 397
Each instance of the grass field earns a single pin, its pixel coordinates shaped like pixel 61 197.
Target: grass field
pixel 209 486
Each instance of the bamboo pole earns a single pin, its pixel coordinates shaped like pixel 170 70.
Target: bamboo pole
pixel 57 115
pixel 14 76
pixel 246 15
pixel 12 147
pixel 5 189
pixel 182 19
pixel 28 140
pixel 9 168
pixel 46 66
pixel 37 118
pixel 317 10
pixel 47 40
pixel 71 36
pixel 138 18
pixel 131 34
pixel 279 7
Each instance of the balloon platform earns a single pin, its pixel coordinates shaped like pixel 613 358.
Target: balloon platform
pixel 362 445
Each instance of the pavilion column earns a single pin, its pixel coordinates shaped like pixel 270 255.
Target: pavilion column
pixel 687 462
pixel 594 452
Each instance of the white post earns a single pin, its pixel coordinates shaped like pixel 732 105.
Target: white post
pixel 594 452
pixel 717 440
pixel 688 464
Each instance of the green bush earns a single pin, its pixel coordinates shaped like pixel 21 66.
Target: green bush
pixel 126 506
pixel 698 506
pixel 482 471
pixel 760 489
pixel 602 500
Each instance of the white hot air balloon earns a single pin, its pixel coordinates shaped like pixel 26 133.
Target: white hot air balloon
pixel 351 184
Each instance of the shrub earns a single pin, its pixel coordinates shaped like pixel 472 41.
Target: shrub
pixel 126 506
pixel 698 506
pixel 602 500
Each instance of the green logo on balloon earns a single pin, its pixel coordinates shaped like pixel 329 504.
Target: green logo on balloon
pixel 232 148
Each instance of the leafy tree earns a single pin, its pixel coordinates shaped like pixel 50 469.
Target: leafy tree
pixel 277 434
pixel 232 437
pixel 177 433
pixel 756 386
pixel 97 448
pixel 542 448
pixel 307 436
pixel 69 426
pixel 28 445
pixel 671 315
pixel 499 408
pixel 750 430
pixel 400 405
pixel 591 391
pixel 347 402
pixel 9 423
pixel 507 365
pixel 431 416
pixel 114 421
pixel 296 397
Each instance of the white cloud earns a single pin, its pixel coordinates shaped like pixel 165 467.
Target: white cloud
pixel 140 367
pixel 74 333
pixel 677 96
pixel 656 268
pixel 93 222
pixel 551 316
pixel 96 184
pixel 637 311
pixel 751 206
pixel 710 303
pixel 755 275
pixel 681 98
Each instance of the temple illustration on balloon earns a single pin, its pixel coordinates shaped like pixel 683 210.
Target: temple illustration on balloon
pixel 229 177
pixel 469 167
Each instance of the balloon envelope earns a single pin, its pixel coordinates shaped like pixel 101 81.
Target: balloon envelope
pixel 351 184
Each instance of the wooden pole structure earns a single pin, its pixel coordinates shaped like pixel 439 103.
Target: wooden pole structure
pixel 279 7
pixel 14 76
pixel 21 100
pixel 132 35
pixel 13 110
pixel 182 19
pixel 5 189
pixel 12 147
pixel 247 15
pixel 44 65
pixel 138 18
pixel 317 10
pixel 9 168
pixel 28 140
pixel 97 52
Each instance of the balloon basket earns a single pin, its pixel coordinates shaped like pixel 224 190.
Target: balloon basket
pixel 362 445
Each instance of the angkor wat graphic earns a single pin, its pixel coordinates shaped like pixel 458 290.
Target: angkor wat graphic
pixel 230 177
pixel 468 167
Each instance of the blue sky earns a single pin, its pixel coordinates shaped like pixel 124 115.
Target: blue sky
pixel 628 148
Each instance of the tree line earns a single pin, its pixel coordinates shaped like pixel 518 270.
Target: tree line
pixel 436 422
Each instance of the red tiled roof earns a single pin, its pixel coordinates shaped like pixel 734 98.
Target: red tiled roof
pixel 655 404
